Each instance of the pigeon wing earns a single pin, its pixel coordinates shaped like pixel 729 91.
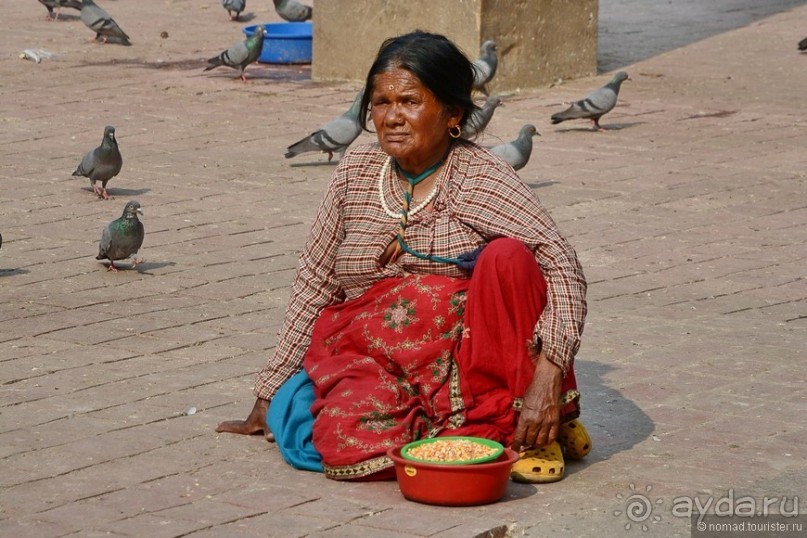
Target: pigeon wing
pixel 104 243
pixel 593 106
pixel 87 165
pixel 509 153
pixel 234 57
pixel 334 136
pixel 99 21
pixel 482 72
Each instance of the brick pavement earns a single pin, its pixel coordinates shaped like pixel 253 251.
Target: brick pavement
pixel 689 216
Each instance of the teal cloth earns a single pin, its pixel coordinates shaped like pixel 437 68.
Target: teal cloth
pixel 290 419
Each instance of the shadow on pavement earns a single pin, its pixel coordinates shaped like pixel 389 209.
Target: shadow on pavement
pixel 13 272
pixel 614 422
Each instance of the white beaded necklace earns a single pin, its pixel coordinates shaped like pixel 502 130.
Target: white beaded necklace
pixel 412 210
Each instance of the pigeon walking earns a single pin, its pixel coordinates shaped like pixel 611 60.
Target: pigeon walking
pixel 480 118
pixel 241 54
pixel 485 66
pixel 236 6
pixel 58 5
pixel 292 10
pixel 517 153
pixel 101 164
pixel 803 44
pixel 99 21
pixel 333 137
pixel 122 237
pixel 596 104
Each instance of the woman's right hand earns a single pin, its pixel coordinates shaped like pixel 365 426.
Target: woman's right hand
pixel 253 425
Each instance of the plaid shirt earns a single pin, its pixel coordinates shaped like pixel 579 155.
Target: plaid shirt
pixel 480 198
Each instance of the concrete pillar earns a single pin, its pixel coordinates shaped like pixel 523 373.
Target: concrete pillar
pixel 539 41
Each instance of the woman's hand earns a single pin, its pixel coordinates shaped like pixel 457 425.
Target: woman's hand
pixel 253 425
pixel 540 415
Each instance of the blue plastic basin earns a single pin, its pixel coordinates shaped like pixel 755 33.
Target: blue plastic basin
pixel 284 42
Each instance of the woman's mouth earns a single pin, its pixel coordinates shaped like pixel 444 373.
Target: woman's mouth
pixel 395 137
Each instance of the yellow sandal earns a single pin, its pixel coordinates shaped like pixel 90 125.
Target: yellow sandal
pixel 574 440
pixel 539 465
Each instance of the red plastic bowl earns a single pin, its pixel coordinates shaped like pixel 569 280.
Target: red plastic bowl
pixel 453 485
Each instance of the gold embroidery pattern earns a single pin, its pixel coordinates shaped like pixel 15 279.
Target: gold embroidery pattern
pixel 454 392
pixel 358 470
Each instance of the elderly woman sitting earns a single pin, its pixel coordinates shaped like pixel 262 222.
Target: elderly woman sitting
pixel 435 295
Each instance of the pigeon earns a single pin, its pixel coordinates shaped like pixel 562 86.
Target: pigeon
pixel 595 104
pixel 517 152
pixel 122 237
pixel 99 21
pixel 241 54
pixel 333 137
pixel 480 118
pixel 234 5
pixel 101 164
pixel 803 44
pixel 485 66
pixel 292 10
pixel 58 5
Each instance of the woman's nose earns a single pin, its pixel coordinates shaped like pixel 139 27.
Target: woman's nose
pixel 394 114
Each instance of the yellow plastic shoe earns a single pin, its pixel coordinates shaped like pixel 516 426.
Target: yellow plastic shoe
pixel 574 440
pixel 539 465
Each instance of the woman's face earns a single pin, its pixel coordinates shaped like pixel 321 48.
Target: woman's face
pixel 412 125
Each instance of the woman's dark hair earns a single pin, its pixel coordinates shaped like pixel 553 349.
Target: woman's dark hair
pixel 434 60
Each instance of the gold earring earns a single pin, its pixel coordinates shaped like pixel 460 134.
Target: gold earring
pixel 454 131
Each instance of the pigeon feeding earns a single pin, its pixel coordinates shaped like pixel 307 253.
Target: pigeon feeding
pixel 292 10
pixel 485 66
pixel 480 118
pixel 101 164
pixel 236 6
pixel 241 54
pixel 58 5
pixel 99 21
pixel 122 237
pixel 333 137
pixel 517 153
pixel 596 104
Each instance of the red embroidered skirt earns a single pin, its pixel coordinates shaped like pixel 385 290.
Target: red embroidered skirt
pixel 423 356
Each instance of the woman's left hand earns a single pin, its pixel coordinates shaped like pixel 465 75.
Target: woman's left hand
pixel 540 415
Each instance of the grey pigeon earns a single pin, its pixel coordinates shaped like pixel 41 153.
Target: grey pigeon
pixel 480 118
pixel 517 152
pixel 122 237
pixel 333 137
pixel 101 164
pixel 241 54
pixel 292 10
pixel 58 5
pixel 594 105
pixel 236 6
pixel 99 21
pixel 485 66
pixel 803 44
